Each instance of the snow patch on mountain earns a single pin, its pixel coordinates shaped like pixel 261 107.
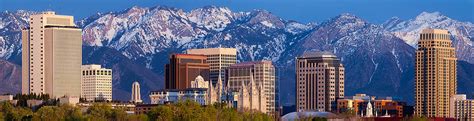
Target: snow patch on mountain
pixel 268 24
pixel 410 30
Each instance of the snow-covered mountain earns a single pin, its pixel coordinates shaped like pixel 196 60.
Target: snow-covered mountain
pixel 376 61
pixel 462 33
pixel 11 24
pixel 136 43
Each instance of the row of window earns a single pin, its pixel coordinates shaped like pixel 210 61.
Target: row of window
pixel 96 72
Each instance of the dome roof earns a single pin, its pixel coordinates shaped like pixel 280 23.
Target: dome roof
pixel 296 115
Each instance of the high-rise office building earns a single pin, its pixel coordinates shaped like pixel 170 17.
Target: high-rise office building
pixel 462 108
pixel 262 72
pixel 319 81
pixel 51 56
pixel 96 83
pixel 184 68
pixel 218 59
pixel 136 96
pixel 435 73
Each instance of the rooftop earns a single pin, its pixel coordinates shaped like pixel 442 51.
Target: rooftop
pixel 250 63
pixel 323 54
pixel 177 90
pixel 437 31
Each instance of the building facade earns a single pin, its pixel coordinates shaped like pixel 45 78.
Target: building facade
pixel 136 96
pixel 379 107
pixel 263 74
pixel 96 83
pixel 51 56
pixel 218 59
pixel 184 68
pixel 319 81
pixel 435 73
pixel 462 108
pixel 165 96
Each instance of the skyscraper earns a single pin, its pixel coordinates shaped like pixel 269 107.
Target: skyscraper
pixel 51 56
pixel 96 83
pixel 319 81
pixel 435 73
pixel 262 73
pixel 136 97
pixel 218 59
pixel 184 68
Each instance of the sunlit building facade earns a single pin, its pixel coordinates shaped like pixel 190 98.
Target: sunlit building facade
pixel 51 56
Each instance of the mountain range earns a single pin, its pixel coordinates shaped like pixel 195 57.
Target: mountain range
pixel 136 42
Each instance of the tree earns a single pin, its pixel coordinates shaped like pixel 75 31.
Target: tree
pixel 141 117
pixel 72 113
pixel 161 113
pixel 348 113
pixel 119 114
pixel 49 113
pixel 19 113
pixel 100 111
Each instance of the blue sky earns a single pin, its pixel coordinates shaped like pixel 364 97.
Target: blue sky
pixel 376 11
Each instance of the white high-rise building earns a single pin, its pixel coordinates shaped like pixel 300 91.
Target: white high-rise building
pixel 218 59
pixel 51 56
pixel 136 93
pixel 96 83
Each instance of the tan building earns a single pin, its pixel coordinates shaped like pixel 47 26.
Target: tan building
pixel 52 56
pixel 435 73
pixel 218 59
pixel 263 74
pixel 319 81
pixel 462 108
pixel 96 83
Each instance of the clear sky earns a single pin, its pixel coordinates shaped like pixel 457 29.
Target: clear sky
pixel 376 11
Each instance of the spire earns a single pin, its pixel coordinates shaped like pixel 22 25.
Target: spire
pixel 219 88
pixel 252 83
pixel 369 110
pixel 210 93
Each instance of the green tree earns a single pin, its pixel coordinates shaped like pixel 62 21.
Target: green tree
pixel 229 114
pixel 141 117
pixel 49 113
pixel 100 112
pixel 119 114
pixel 348 113
pixel 161 113
pixel 72 113
pixel 19 113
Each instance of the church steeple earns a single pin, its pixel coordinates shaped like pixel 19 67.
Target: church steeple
pixel 219 88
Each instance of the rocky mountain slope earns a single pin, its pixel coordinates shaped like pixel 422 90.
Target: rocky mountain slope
pixel 10 77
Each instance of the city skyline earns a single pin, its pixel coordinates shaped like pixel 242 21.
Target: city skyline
pixel 246 61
